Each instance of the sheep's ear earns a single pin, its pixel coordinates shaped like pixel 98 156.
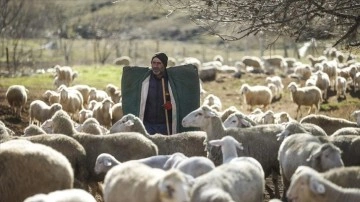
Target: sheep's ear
pixel 245 123
pixel 239 146
pixel 316 186
pixel 217 143
pixel 314 155
pixel 129 123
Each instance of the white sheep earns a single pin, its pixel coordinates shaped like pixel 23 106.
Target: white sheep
pixel 322 82
pixel 152 185
pixel 30 168
pixel 190 143
pixel 116 112
pixel 341 87
pixel 313 60
pixel 227 183
pixel 228 146
pixel 122 60
pixel 275 61
pixel 92 126
pixel 256 95
pixel 195 166
pixel 356 82
pixel 71 101
pixel 114 92
pixel 238 120
pixel 302 71
pixel 85 114
pixel 307 96
pixel 68 195
pixel 262 137
pixel 330 68
pixel 102 112
pixel 254 62
pixel 98 95
pixel 213 101
pixel 308 185
pixel 32 130
pixel 306 149
pixel 104 162
pixel 39 111
pixel 16 96
pixel 327 123
pixel 64 75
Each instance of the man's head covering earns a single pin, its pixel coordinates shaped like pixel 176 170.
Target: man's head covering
pixel 162 57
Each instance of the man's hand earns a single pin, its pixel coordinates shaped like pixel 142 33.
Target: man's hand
pixel 167 105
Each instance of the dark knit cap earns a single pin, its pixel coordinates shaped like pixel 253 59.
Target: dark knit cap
pixel 162 57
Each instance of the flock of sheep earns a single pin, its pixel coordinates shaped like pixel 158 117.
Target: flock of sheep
pixel 79 146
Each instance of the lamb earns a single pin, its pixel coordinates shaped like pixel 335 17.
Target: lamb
pixel 261 137
pixel 306 149
pixel 227 112
pixel 226 183
pixel 16 96
pixel 329 124
pixel 189 143
pixel 341 87
pixel 46 168
pixel 174 160
pixel 69 195
pixel 309 185
pixel 39 111
pixel 277 81
pixel 153 185
pixel 104 162
pixel 114 93
pixel 102 112
pixel 296 127
pixel 307 96
pixel 124 146
pixel 256 95
pixel 52 96
pixel 213 101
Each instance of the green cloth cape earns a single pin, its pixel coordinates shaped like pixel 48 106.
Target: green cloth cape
pixel 183 80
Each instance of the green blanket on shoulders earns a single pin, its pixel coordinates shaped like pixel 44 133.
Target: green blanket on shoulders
pixel 183 80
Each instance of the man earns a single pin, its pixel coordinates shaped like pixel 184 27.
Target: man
pixel 160 96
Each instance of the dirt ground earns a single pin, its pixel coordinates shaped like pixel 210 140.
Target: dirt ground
pixel 225 86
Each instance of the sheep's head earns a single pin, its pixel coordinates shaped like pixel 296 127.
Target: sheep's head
pixel 244 89
pixel 327 156
pixel 306 183
pixel 292 87
pixel 199 117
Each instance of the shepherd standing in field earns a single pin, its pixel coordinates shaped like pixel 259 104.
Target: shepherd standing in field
pixel 160 96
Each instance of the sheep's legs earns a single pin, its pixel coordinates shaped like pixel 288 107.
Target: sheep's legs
pixel 310 110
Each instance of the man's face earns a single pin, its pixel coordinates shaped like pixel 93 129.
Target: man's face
pixel 157 66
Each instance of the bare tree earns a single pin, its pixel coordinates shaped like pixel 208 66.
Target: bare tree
pixel 300 19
